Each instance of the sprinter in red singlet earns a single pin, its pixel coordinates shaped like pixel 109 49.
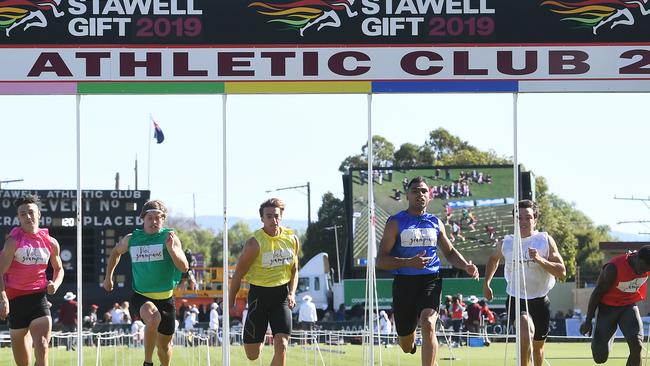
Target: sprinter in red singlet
pixel 621 284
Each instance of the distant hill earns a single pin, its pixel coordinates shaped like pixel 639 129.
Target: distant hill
pixel 216 223
pixel 623 236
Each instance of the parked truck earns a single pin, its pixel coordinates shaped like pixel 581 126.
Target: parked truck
pixel 210 289
pixel 315 280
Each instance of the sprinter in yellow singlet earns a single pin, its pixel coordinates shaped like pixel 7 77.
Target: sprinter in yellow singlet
pixel 269 262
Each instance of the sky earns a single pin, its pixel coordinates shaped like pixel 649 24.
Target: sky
pixel 589 147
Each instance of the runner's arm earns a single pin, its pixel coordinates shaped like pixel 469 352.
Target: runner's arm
pixel 113 261
pixel 293 282
pixel 57 267
pixel 175 249
pixel 490 270
pixel 453 255
pixel 6 256
pixel 605 281
pixel 246 258
pixel 554 264
pixel 493 263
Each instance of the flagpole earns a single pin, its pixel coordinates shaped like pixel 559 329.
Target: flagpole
pixel 149 155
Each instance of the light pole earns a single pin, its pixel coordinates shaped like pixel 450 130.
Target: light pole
pixel 308 197
pixel 9 181
pixel 336 241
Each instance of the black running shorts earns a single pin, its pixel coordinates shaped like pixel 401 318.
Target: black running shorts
pixel 24 309
pixel 411 295
pixel 166 308
pixel 267 305
pixel 540 311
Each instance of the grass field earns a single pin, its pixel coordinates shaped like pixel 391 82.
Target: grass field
pixel 572 354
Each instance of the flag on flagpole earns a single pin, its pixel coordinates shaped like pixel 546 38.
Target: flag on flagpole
pixel 158 133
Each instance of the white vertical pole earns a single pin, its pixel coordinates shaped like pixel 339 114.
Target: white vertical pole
pixel 149 154
pixel 338 257
pixel 371 281
pixel 79 238
pixel 374 280
pixel 516 254
pixel 225 344
pixel 207 349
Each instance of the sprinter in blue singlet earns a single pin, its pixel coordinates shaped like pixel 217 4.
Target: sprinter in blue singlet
pixel 412 242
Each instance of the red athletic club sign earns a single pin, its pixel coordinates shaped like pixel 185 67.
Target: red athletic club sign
pixel 334 64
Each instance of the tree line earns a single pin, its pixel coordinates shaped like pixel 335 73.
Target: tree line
pixel 577 235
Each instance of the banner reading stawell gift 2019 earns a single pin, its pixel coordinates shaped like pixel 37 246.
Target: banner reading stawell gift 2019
pixel 324 40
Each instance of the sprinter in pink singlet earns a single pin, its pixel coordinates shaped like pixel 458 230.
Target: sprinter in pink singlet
pixel 23 284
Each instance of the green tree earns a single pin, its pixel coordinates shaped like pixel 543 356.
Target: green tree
pixel 318 239
pixel 443 143
pixel 575 234
pixel 192 237
pixel 442 148
pixel 589 256
pixel 354 161
pixel 237 236
pixel 473 156
pixel 427 157
pixel 382 152
pixel 408 155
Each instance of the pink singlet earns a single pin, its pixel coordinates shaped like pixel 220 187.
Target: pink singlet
pixel 26 274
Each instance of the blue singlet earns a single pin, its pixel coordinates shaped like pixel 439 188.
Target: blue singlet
pixel 416 233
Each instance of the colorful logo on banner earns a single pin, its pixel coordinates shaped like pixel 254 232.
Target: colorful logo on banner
pixel 303 14
pixel 389 18
pixel 26 14
pixel 598 15
pixel 140 19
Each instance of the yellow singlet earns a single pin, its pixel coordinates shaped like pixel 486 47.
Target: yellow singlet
pixel 272 267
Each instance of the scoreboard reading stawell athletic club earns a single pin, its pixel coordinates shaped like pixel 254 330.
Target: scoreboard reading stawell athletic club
pixel 107 216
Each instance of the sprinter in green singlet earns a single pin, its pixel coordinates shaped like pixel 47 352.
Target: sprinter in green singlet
pixel 157 261
pixel 269 261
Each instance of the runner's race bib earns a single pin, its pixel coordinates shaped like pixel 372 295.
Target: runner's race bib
pixel 419 237
pixel 31 256
pixel 276 258
pixel 147 253
pixel 631 286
